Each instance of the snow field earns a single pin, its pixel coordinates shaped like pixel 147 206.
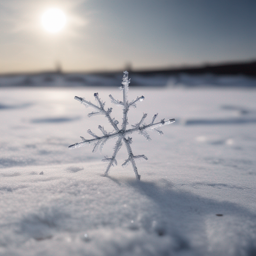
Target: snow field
pixel 197 190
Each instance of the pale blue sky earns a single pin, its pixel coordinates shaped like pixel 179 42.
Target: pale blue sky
pixel 107 34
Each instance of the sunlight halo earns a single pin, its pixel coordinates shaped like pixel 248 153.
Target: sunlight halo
pixel 53 20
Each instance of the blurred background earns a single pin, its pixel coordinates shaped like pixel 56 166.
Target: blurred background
pixel 192 60
pixel 162 42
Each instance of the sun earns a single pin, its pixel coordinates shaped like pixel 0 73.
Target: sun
pixel 54 20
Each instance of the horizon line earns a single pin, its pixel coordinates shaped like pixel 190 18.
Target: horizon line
pixel 59 70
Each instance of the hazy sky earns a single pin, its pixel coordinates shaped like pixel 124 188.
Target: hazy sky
pixel 107 34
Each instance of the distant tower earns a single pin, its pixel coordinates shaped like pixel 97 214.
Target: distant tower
pixel 128 67
pixel 58 68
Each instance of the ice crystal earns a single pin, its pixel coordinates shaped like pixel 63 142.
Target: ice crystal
pixel 122 134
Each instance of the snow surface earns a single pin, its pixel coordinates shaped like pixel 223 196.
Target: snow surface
pixel 197 190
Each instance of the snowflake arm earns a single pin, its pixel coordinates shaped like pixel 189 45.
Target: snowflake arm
pixel 100 109
pixel 125 87
pixel 150 126
pixel 131 158
pixel 102 138
pixel 112 160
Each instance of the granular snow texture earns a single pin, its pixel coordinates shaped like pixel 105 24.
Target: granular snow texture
pixel 197 190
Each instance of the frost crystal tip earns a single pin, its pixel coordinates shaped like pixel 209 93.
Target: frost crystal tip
pixel 121 133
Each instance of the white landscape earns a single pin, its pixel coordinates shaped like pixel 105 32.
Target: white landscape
pixel 196 195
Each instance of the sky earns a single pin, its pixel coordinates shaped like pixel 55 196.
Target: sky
pixel 111 34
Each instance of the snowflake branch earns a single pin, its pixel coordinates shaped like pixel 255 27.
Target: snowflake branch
pixel 94 114
pixel 126 81
pixel 117 102
pixel 100 109
pixel 81 144
pixel 141 156
pixel 145 134
pixel 141 98
pixel 107 159
pixel 126 162
pixel 103 143
pixel 159 131
pixel 92 134
pixel 102 130
pixel 86 103
pixel 125 89
pixel 83 139
pixel 96 146
pixel 101 103
pixel 150 126
pixel 154 118
pixel 107 113
pixel 131 158
pixel 140 122
pixel 112 160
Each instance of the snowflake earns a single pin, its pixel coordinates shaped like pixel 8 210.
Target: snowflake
pixel 119 133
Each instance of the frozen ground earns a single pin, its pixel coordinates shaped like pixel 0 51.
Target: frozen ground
pixel 197 190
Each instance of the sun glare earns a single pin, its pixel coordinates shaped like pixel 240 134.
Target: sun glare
pixel 54 20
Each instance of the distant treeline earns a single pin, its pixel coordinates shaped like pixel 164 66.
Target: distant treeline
pixel 232 68
pixel 235 68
